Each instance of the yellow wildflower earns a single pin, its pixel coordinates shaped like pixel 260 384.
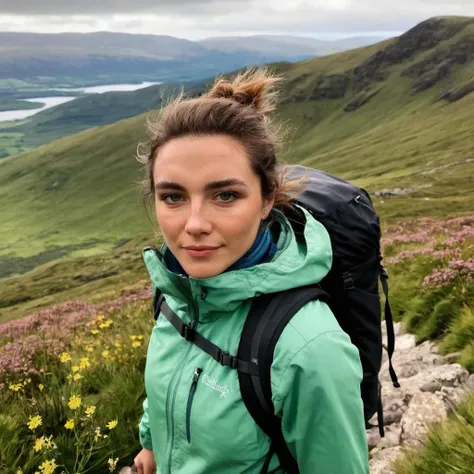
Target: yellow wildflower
pixel 74 402
pixel 69 424
pixel 48 442
pixel 98 435
pixel 16 387
pixel 39 443
pixel 101 317
pixel 136 344
pixel 76 377
pixel 84 363
pixel 64 357
pixel 34 422
pixel 94 331
pixel 48 467
pixel 112 424
pixel 19 471
pixel 89 349
pixel 41 387
pixel 102 326
pixel 112 464
pixel 109 322
pixel 133 337
pixel 90 411
pixel 75 368
pixel 105 354
pixel 140 338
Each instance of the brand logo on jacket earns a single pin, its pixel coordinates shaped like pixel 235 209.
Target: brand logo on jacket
pixel 214 384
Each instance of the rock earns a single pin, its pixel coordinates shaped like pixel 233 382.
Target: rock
pixel 382 460
pixel 431 387
pixel 332 86
pixel 452 358
pixel 452 375
pixel 390 440
pixel 407 341
pixel 361 100
pixel 424 408
pixel 470 382
pixel 394 192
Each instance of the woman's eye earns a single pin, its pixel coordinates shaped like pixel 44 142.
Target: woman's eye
pixel 171 198
pixel 227 196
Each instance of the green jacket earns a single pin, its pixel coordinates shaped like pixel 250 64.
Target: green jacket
pixel 315 375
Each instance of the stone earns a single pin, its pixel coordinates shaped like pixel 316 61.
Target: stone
pixel 391 437
pixel 470 382
pixel 431 387
pixel 451 375
pixel 452 358
pixel 424 408
pixel 383 459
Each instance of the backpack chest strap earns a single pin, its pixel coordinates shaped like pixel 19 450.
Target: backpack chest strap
pixel 188 332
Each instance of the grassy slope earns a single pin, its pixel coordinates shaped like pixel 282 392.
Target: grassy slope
pixel 13 104
pixel 78 195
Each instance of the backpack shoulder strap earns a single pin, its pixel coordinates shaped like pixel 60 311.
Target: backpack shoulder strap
pixel 267 318
pixel 158 299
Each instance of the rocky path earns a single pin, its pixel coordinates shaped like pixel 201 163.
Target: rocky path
pixel 431 384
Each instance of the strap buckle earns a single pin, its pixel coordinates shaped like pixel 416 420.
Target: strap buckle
pixel 348 281
pixel 187 332
pixel 227 360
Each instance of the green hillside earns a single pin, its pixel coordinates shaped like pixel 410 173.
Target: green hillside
pixel 385 116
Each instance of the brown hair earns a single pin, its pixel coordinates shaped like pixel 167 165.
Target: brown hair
pixel 240 109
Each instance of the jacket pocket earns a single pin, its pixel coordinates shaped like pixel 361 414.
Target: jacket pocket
pixel 189 405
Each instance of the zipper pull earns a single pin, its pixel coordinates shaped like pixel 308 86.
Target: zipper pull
pixel 197 374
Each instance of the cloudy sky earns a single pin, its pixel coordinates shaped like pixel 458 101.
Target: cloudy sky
pixel 196 19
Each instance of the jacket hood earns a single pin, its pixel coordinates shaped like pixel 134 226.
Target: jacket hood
pixel 299 260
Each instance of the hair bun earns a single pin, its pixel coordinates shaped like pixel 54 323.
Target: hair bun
pixel 250 88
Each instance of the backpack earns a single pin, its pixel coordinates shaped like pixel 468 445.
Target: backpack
pixel 351 289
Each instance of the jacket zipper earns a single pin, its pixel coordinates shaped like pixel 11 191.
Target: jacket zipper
pixel 175 379
pixel 192 391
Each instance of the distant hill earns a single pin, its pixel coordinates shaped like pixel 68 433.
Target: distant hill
pixel 68 59
pixel 82 113
pixel 395 117
pixel 286 46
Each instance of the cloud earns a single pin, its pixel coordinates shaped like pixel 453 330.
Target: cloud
pixel 200 18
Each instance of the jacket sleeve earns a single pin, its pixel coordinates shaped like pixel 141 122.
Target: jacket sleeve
pixel 321 407
pixel 144 428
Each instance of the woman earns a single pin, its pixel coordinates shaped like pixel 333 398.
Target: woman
pixel 219 200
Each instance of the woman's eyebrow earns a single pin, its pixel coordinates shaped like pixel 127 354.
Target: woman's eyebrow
pixel 224 183
pixel 169 185
pixel 209 186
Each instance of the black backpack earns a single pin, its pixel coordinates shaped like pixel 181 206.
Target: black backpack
pixel 351 289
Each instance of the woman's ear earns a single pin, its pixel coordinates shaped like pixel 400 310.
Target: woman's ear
pixel 267 207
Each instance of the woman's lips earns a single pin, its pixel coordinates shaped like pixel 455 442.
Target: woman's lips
pixel 197 252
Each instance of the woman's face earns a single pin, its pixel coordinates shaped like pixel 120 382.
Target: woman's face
pixel 208 202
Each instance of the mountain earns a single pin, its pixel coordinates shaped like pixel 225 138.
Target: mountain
pixel 33 60
pixel 395 117
pixel 286 46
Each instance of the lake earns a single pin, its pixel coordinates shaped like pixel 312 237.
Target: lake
pixel 10 115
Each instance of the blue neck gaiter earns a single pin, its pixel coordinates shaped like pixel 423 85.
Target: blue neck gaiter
pixel 262 250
